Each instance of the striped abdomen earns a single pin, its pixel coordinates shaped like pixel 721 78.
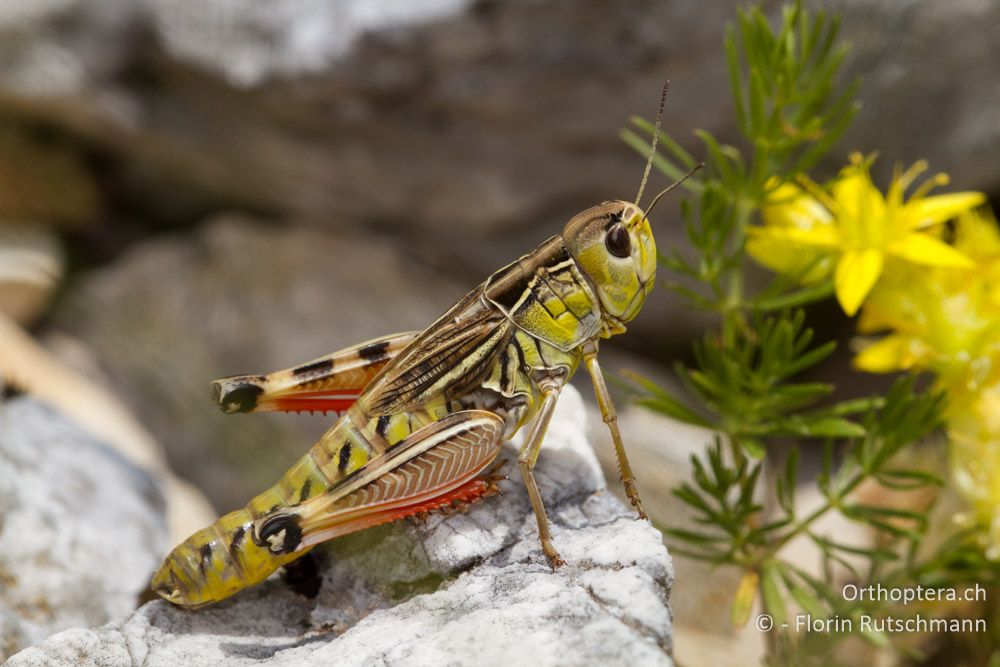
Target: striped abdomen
pixel 222 559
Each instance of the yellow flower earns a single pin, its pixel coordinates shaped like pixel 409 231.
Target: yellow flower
pixel 860 229
pixel 940 319
pixel 977 236
pixel 940 303
pixel 791 207
pixel 974 431
pixel 946 320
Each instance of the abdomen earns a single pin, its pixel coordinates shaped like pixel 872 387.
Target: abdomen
pixel 222 559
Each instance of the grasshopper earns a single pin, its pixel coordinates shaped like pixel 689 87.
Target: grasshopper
pixel 423 415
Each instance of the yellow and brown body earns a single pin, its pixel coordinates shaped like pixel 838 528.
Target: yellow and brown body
pixel 422 416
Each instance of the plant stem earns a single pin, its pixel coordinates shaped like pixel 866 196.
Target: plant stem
pixel 777 544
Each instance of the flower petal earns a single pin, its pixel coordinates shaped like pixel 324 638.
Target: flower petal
pixel 928 211
pixel 873 319
pixel 790 206
pixel 823 236
pixel 857 197
pixel 993 294
pixel 847 192
pixel 929 251
pixel 892 353
pixel 810 265
pixel 855 276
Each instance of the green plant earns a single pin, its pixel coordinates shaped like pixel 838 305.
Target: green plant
pixel 745 382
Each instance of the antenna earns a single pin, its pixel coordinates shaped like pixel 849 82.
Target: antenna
pixel 674 185
pixel 656 139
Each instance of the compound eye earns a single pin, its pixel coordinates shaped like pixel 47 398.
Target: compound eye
pixel 617 241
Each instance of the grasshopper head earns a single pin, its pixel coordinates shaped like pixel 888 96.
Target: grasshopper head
pixel 614 247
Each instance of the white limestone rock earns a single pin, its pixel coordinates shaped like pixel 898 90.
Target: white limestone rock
pixel 248 42
pixel 467 589
pixel 81 528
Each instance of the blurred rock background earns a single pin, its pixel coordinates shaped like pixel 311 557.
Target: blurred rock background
pixel 190 189
pixel 77 543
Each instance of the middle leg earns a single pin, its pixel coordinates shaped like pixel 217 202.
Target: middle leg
pixel 526 460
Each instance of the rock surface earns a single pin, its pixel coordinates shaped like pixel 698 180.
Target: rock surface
pixel 927 103
pixel 62 375
pixel 81 528
pixel 467 589
pixel 249 43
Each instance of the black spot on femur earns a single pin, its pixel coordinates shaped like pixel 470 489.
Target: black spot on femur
pixel 315 368
pixel 242 398
pixel 304 493
pixel 382 427
pixel 279 534
pixel 345 458
pixel 375 351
